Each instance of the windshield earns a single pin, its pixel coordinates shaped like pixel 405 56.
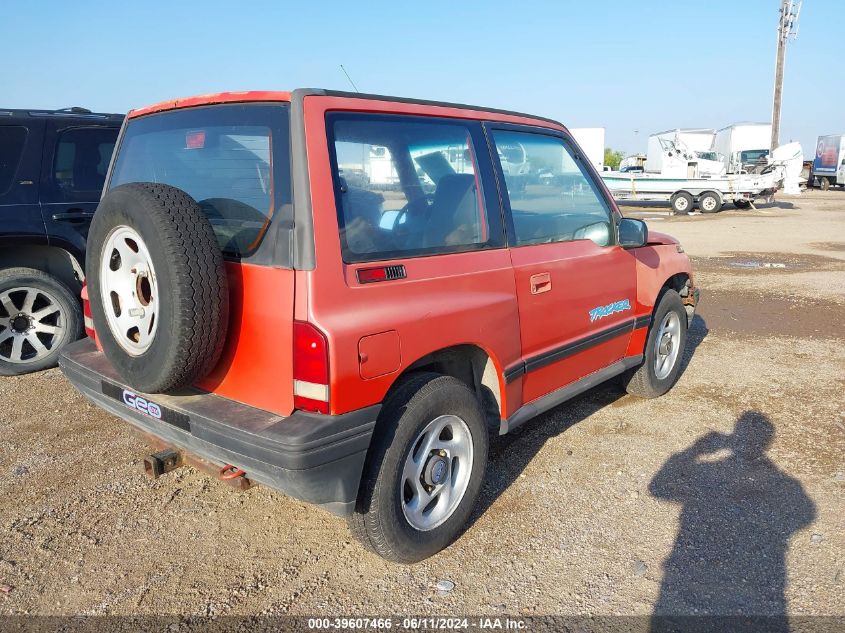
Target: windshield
pixel 753 155
pixel 232 159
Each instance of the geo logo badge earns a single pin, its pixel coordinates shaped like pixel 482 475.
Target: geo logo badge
pixel 142 404
pixel 611 308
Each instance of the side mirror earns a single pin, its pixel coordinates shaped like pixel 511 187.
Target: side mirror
pixel 632 233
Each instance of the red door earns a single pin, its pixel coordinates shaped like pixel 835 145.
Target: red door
pixel 576 288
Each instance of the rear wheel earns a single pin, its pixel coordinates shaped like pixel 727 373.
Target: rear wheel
pixel 742 204
pixel 825 183
pixel 709 202
pixel 681 203
pixel 38 316
pixel 424 470
pixel 663 349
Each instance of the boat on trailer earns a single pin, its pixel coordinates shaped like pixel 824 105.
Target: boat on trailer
pixel 686 179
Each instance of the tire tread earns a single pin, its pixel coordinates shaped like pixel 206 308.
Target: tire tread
pixel 199 283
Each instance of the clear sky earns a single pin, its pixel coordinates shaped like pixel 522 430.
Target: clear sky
pixel 631 66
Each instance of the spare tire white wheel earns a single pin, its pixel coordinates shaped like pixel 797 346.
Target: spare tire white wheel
pixel 157 286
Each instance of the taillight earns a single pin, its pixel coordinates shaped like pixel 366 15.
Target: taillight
pixel 86 312
pixel 310 368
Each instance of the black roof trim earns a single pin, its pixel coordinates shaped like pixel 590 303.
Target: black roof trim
pixel 306 92
pixel 64 113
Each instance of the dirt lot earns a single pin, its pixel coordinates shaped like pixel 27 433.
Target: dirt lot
pixel 606 505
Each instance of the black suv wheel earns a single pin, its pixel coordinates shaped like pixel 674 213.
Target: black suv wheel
pixel 38 315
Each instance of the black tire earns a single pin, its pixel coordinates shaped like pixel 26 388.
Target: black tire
pixel 710 202
pixel 681 203
pixel 192 288
pixel 378 521
pixel 742 204
pixel 824 183
pixel 67 319
pixel 643 380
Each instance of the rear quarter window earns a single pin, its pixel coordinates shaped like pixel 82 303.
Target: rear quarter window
pixel 81 159
pixel 410 186
pixel 232 159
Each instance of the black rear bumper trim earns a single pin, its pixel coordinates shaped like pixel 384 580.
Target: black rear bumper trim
pixel 316 458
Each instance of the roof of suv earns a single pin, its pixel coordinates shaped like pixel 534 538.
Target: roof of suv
pixel 64 113
pixel 270 95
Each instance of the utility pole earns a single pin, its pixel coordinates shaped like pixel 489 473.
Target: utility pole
pixel 787 27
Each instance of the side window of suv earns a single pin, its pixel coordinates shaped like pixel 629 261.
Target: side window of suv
pixel 12 141
pixel 81 160
pixel 408 186
pixel 552 196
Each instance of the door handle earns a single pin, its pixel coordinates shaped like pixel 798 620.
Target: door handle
pixel 540 283
pixel 73 215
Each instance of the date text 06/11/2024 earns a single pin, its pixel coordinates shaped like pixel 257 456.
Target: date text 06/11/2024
pixel 419 623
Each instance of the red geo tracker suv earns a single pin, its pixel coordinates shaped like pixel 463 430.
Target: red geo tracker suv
pixel 341 296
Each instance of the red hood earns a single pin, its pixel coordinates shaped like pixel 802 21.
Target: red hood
pixel 655 237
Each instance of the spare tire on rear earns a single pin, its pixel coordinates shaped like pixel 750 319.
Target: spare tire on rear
pixel 157 286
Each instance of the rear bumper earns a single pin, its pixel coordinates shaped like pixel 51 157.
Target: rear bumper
pixel 315 458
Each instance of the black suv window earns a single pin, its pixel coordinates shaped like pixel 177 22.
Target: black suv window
pixel 12 141
pixel 81 159
pixel 409 186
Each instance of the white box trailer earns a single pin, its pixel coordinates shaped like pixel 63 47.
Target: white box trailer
pixel 743 146
pixel 591 140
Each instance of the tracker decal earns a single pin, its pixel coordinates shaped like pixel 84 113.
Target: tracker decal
pixel 612 308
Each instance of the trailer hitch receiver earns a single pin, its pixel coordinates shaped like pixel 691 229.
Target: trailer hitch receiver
pixel 157 464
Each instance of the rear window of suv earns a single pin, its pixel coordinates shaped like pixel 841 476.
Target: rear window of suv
pixel 232 159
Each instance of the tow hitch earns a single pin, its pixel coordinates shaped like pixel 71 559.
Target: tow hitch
pixel 158 464
pixel 168 459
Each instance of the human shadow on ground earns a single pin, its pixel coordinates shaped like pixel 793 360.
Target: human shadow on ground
pixel 727 569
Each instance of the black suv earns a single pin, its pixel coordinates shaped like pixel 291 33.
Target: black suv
pixel 52 168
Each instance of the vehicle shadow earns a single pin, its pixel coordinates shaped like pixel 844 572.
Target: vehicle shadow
pixel 696 334
pixel 727 569
pixel 777 204
pixel 511 453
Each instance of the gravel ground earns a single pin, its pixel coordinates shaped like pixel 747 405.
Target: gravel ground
pixel 724 496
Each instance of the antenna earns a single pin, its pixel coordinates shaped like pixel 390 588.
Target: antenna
pixel 349 78
pixel 787 29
